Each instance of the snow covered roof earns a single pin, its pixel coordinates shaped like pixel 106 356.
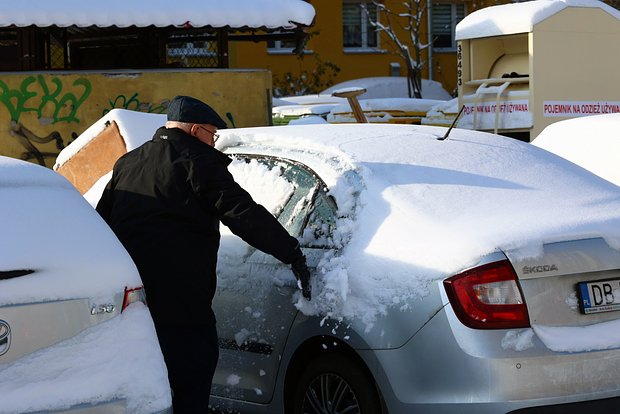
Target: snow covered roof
pixel 123 13
pixel 519 17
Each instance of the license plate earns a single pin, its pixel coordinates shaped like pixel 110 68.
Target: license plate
pixel 599 296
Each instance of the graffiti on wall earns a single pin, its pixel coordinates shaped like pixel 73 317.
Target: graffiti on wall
pixel 42 113
pixel 52 103
pixel 134 104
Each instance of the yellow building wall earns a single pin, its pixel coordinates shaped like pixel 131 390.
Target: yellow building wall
pixel 42 113
pixel 327 45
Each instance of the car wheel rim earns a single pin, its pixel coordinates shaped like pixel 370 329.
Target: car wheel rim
pixel 330 394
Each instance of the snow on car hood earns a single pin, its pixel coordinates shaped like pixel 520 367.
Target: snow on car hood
pixel 423 209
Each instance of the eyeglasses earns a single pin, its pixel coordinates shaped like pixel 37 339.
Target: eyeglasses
pixel 215 134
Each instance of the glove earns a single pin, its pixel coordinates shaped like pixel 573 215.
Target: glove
pixel 301 272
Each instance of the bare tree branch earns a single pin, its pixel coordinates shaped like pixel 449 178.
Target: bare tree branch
pixel 410 50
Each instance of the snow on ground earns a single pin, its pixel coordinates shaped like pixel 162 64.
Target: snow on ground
pixel 122 13
pixel 518 17
pixel 592 142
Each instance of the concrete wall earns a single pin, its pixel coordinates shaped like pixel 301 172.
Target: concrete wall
pixel 42 113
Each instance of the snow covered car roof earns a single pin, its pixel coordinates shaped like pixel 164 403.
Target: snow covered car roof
pixel 446 202
pixel 590 142
pixel 161 13
pixel 413 209
pixel 17 173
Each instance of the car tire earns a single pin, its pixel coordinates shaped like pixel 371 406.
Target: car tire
pixel 335 383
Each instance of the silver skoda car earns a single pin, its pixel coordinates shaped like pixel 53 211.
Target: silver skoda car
pixel 473 274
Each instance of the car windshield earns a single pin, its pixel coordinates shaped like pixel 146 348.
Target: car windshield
pixel 286 189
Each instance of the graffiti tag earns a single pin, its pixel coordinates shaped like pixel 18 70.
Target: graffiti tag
pixel 47 101
pixel 134 104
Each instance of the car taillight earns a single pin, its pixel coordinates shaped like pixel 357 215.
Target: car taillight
pixel 488 297
pixel 133 295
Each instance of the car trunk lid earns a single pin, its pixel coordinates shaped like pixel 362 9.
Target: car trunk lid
pixel 551 281
pixel 27 328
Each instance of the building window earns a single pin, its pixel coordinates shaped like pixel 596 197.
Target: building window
pixel 445 17
pixel 280 46
pixel 357 30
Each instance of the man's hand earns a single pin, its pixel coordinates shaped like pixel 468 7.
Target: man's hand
pixel 300 269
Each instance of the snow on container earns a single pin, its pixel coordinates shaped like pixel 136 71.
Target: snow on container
pixel 524 66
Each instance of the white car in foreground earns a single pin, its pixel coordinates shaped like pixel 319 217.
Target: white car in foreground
pixel 592 142
pixel 75 334
pixel 475 274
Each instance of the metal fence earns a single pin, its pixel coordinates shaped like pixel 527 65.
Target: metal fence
pixel 75 48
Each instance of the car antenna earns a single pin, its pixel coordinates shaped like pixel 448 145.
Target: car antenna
pixel 452 126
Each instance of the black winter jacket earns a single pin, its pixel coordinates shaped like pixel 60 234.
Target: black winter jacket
pixel 165 202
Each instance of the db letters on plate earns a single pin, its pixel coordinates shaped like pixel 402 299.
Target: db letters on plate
pixel 599 296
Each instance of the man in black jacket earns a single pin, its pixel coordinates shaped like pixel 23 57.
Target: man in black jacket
pixel 165 202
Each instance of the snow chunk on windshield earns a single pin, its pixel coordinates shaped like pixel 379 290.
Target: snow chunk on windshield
pixel 266 186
